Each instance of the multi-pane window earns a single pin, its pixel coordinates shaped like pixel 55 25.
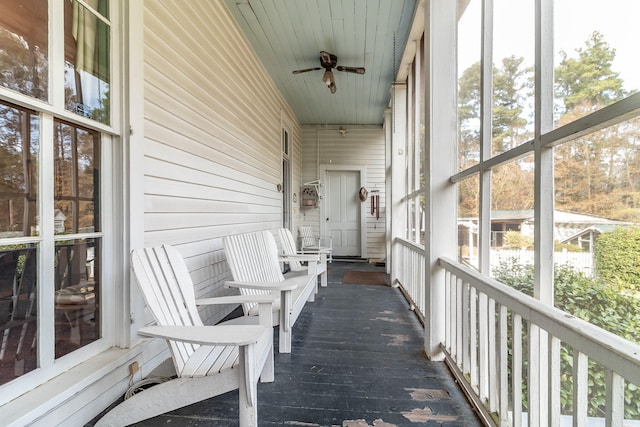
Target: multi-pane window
pixel 559 127
pixel 51 174
pixel 415 201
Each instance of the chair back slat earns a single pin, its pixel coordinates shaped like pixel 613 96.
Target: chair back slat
pixel 253 257
pixel 306 236
pixel 289 247
pixel 168 292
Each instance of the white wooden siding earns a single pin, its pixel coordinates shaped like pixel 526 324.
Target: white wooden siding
pixel 362 145
pixel 212 138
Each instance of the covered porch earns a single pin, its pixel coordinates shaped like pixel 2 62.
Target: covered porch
pixel 357 360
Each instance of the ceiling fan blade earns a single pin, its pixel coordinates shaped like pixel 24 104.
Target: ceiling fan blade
pixel 355 70
pixel 306 70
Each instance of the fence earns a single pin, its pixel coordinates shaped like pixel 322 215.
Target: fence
pixel 580 261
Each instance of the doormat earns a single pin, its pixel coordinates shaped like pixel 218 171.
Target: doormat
pixel 364 278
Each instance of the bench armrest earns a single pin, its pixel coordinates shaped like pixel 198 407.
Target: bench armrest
pixel 299 257
pixel 265 286
pixel 206 335
pixel 238 299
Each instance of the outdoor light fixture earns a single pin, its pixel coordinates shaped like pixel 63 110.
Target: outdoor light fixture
pixel 328 79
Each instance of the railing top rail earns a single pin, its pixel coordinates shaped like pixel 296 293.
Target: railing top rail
pixel 610 350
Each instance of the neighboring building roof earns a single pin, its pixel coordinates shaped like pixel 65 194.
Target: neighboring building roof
pixel 558 216
pixel 522 215
pixel 598 228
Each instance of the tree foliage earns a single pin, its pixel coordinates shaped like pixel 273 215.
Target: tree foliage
pixel 588 79
pixel 618 258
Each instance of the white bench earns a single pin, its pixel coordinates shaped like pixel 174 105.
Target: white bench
pixel 255 266
pixel 296 259
pixel 208 360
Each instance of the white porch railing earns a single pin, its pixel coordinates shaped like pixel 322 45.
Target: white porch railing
pixel 486 346
pixel 409 271
pixel 477 341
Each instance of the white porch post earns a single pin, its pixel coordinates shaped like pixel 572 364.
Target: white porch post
pixel 398 132
pixel 440 162
pixel 541 397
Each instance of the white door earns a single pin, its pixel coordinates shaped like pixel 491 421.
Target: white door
pixel 342 211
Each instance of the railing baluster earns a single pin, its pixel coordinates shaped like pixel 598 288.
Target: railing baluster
pixel 614 409
pixel 554 381
pixel 465 329
pixel 483 343
pixel 533 388
pixel 492 360
pixel 447 310
pixel 503 330
pixel 459 324
pixel 516 369
pixel 580 388
pixel 473 339
pixel 454 318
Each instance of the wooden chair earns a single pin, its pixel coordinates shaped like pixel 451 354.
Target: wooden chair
pixel 209 360
pixel 296 262
pixel 312 243
pixel 255 266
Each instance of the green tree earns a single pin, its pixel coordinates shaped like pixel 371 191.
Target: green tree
pixel 512 84
pixel 589 79
pixel 469 116
pixel 599 173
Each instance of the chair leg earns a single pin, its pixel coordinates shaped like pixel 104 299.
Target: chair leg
pixel 268 371
pixel 248 388
pixel 284 345
pixel 323 279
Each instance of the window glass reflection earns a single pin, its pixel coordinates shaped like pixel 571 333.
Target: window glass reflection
pixel 18 311
pixel 87 60
pixel 76 296
pixel 24 47
pixel 76 179
pixel 19 135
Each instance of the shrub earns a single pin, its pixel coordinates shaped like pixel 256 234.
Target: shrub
pixel 618 257
pixel 515 240
pixel 595 302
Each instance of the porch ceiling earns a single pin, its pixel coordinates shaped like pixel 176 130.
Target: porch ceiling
pixel 289 35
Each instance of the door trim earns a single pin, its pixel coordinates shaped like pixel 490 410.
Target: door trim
pixel 362 170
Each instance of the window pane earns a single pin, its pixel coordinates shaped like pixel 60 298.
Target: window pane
pixel 469 38
pixel 18 306
pixel 87 61
pixel 597 197
pixel 24 47
pixel 594 44
pixel 468 214
pixel 19 136
pixel 76 179
pixel 77 294
pixel 512 220
pixel 513 51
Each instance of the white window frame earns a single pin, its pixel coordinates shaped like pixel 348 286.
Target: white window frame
pixel 112 208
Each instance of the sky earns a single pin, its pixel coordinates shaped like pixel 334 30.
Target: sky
pixel 574 20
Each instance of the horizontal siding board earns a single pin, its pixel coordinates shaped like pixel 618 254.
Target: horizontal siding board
pixel 179 189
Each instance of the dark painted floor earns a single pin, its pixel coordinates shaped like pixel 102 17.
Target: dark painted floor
pixel 357 355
